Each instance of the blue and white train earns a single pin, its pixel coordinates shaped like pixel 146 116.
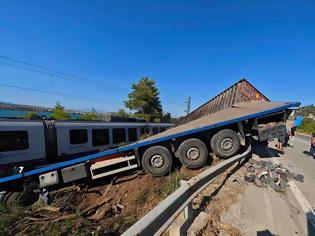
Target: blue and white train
pixel 30 143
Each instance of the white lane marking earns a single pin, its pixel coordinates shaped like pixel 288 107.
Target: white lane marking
pixel 269 211
pixel 305 205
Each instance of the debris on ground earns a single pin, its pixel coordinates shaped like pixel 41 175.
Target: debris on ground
pixel 265 173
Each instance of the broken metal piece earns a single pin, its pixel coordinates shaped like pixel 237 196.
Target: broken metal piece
pixel 259 183
pixel 250 178
pixel 299 178
pixel 250 169
pixel 268 174
pixel 263 173
pixel 273 174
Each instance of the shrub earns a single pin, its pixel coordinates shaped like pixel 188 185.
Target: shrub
pixel 307 127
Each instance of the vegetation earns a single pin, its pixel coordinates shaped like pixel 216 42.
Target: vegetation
pixel 173 182
pixel 122 113
pixel 92 115
pixel 8 215
pixel 142 197
pixel 32 115
pixel 59 112
pixel 306 110
pixel 144 100
pixel 166 118
pixel 307 127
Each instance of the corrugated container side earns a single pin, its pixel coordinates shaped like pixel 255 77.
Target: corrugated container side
pixel 239 92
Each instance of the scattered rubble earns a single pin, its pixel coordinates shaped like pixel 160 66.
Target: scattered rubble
pixel 265 173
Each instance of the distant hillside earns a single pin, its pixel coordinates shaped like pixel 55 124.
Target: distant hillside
pixel 306 111
pixel 21 107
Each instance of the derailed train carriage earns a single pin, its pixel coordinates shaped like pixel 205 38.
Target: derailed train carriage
pixel 30 143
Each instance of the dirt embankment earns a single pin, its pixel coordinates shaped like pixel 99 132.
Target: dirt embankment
pixel 102 208
pixel 109 207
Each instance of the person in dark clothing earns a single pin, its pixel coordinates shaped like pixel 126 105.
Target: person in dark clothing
pixel 312 149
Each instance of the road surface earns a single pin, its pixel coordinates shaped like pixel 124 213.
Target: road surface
pixel 266 212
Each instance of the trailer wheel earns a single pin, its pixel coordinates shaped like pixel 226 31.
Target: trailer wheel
pixel 11 198
pixel 19 199
pixel 225 143
pixel 193 153
pixel 157 161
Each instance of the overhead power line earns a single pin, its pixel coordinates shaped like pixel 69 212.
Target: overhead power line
pixel 55 93
pixel 40 72
pixel 42 67
pixel 57 74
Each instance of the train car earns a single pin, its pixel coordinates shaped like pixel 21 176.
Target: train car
pixel 30 143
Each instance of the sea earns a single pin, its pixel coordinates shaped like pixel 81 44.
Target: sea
pixel 22 114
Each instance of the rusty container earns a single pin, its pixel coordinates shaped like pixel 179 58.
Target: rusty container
pixel 239 92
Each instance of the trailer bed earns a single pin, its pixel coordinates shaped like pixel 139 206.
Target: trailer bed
pixel 238 112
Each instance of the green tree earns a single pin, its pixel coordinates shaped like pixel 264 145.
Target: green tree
pixel 59 112
pixel 32 115
pixel 92 115
pixel 167 118
pixel 122 113
pixel 144 99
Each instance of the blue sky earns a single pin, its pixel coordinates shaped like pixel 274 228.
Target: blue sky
pixel 191 48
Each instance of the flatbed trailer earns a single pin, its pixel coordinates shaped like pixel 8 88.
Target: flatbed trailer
pixel 221 132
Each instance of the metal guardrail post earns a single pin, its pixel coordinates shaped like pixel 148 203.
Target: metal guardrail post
pixel 188 211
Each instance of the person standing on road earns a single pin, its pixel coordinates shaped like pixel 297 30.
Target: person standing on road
pixel 289 124
pixel 297 122
pixel 312 149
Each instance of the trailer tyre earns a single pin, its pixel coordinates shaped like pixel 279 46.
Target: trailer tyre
pixel 19 199
pixel 226 143
pixel 11 198
pixel 193 153
pixel 157 161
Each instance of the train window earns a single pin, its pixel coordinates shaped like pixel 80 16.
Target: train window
pixel 145 130
pixel 119 135
pixel 100 137
pixel 132 134
pixel 155 130
pixel 13 140
pixel 78 136
pixel 162 129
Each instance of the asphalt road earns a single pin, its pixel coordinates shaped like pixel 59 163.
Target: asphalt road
pixel 266 212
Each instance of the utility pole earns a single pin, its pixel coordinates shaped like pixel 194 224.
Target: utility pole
pixel 188 105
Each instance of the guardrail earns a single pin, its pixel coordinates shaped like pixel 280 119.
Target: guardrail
pixel 156 221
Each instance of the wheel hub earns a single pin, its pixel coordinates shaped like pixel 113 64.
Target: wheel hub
pixel 193 153
pixel 227 144
pixel 157 161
